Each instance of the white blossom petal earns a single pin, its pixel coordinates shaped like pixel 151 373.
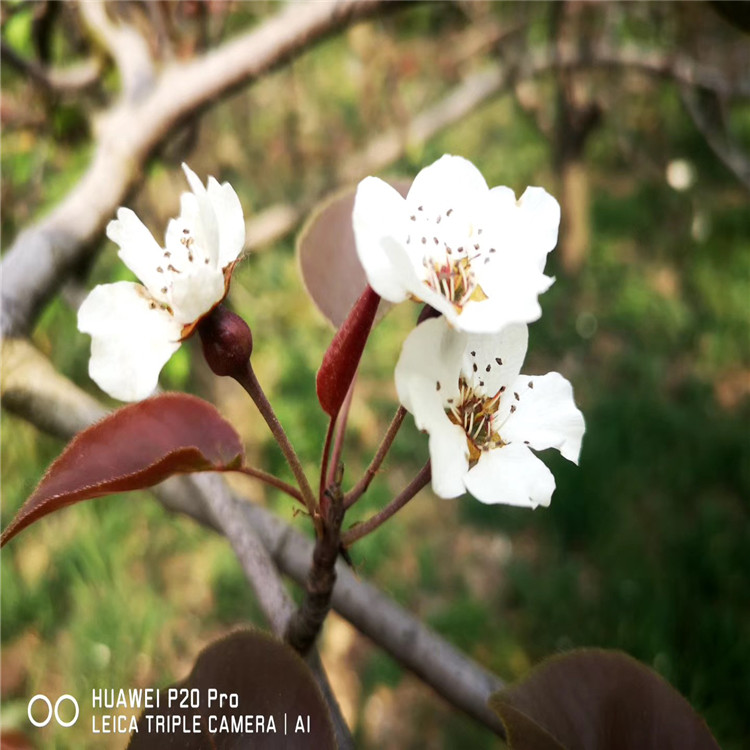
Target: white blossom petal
pixel 207 227
pixel 378 217
pixel 546 415
pixel 228 211
pixel 132 338
pixel 451 181
pixel 194 294
pixel 511 475
pixel 139 251
pixel 512 297
pixel 540 221
pixel 449 458
pixel 492 361
pixel 427 371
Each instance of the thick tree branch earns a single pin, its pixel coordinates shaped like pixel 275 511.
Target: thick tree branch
pixel 126 46
pixel 54 404
pixel 130 131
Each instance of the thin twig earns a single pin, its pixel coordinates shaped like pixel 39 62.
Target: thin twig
pixel 341 421
pixel 73 78
pixel 273 481
pixel 325 457
pixel 249 382
pixel 398 502
pixel 359 489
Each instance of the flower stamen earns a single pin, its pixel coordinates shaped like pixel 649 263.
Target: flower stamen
pixel 475 413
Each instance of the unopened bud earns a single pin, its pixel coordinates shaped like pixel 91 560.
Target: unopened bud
pixel 227 342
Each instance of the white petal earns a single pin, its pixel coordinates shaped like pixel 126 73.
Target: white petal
pixel 512 297
pixel 130 340
pixel 493 361
pixel 431 355
pixel 540 220
pixel 511 475
pixel 546 415
pixel 189 219
pixel 194 294
pixel 206 230
pixel 448 458
pixel 450 182
pixel 231 222
pixel 378 217
pixel 138 249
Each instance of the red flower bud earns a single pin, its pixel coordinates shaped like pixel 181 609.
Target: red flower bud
pixel 227 342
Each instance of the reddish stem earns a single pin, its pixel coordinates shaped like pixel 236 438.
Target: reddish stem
pixel 398 502
pixel 273 481
pixel 359 489
pixel 338 445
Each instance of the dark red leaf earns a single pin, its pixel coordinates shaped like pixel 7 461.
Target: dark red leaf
pixel 598 700
pixel 137 446
pixel 268 679
pixel 342 357
pixel 328 258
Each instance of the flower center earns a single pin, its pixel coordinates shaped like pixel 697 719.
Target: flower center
pixel 475 412
pixel 454 279
pixel 452 248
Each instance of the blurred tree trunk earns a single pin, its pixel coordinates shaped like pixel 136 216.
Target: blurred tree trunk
pixel 575 119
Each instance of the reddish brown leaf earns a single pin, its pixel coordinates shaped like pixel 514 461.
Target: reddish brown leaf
pixel 598 700
pixel 269 680
pixel 137 446
pixel 328 258
pixel 342 357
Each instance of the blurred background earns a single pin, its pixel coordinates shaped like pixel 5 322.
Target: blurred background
pixel 644 547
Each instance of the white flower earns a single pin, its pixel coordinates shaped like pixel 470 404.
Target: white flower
pixel 483 416
pixel 136 328
pixel 474 254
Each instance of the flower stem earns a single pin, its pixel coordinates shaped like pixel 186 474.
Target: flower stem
pixel 398 502
pixel 271 480
pixel 338 444
pixel 324 458
pixel 249 381
pixel 359 489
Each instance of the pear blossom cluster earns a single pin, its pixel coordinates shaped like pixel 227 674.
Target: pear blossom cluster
pixel 476 256
pixel 135 328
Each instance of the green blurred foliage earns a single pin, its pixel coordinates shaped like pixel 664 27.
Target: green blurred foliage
pixel 644 545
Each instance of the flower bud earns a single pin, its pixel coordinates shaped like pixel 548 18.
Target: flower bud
pixel 227 341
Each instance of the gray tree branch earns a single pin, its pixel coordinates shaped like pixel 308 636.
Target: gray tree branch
pixel 51 402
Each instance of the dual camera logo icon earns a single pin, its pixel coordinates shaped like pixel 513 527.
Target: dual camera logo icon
pixel 50 711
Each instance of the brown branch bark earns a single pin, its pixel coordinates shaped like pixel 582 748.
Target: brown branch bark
pixel 56 405
pixel 131 130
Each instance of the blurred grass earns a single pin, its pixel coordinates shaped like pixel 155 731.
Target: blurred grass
pixel 644 546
